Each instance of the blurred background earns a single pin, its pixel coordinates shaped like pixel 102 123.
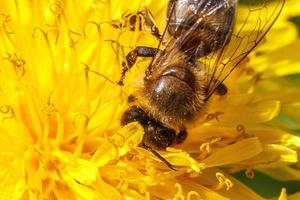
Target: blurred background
pixel 264 185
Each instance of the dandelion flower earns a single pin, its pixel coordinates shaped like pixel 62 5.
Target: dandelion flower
pixel 61 136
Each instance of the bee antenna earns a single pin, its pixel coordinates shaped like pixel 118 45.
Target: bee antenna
pixel 159 156
pixel 98 73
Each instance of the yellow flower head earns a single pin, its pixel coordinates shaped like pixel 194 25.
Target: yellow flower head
pixel 60 109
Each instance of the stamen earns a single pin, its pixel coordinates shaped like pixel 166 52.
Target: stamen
pixel 17 62
pixel 122 186
pixel 91 23
pixel 242 130
pixel 142 188
pixel 5 109
pixel 46 38
pixel 74 38
pixel 54 29
pixel 76 116
pixel 5 24
pixel 49 108
pixel 179 193
pixel 205 148
pixel 56 8
pixel 98 73
pixel 257 77
pixel 215 115
pixel 41 31
pixel 194 195
pixel 223 181
pixel 249 173
pixel 8 111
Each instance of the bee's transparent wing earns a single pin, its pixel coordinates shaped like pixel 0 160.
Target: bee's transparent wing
pixel 253 21
pixel 190 23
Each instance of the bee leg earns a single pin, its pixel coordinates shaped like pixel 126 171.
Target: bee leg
pixel 116 24
pixel 150 22
pixel 131 98
pixel 131 57
pixel 132 22
pixel 221 89
pixel 181 136
pixel 136 20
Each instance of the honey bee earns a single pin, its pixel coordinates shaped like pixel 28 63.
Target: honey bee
pixel 198 49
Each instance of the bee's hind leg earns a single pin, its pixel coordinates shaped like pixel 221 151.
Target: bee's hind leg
pixel 131 57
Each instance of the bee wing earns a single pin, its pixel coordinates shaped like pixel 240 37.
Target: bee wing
pixel 190 21
pixel 254 20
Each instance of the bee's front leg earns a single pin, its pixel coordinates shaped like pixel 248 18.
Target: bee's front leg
pixel 150 22
pixel 131 57
pixel 143 19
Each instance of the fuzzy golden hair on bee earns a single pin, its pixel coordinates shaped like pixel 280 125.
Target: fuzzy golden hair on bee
pixel 198 49
pixel 176 97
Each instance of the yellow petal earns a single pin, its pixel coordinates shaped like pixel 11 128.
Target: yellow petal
pixel 283 195
pixel 60 122
pixel 292 110
pixel 12 192
pixel 234 153
pixel 280 62
pixel 119 144
pixel 106 191
pixel 273 156
pixel 82 171
pixel 256 111
pixel 280 28
pixel 180 158
pixel 237 191
pixel 287 173
pixel 295 196
pixel 269 135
